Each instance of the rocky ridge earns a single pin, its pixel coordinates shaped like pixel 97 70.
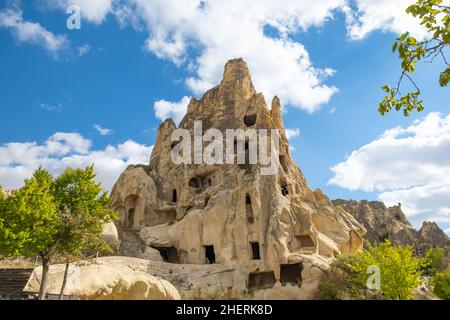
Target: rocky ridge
pixel 391 223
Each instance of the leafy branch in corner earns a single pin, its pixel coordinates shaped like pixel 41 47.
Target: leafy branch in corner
pixel 435 17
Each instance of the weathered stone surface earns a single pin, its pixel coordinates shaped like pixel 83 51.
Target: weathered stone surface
pixel 265 228
pixel 391 223
pixel 104 279
pixel 431 234
pixel 380 222
pixel 151 254
pixel 111 235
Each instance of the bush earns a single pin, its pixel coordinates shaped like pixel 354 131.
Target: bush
pixel 400 272
pixel 435 255
pixel 441 285
pixel 340 282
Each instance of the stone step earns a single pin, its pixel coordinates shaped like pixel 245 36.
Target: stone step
pixel 13 281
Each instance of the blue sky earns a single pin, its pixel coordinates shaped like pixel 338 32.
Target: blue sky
pixel 112 73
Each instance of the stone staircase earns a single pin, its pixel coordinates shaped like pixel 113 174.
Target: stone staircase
pixel 12 283
pixel 131 244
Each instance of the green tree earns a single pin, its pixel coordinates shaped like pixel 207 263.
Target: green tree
pixel 400 268
pixel 435 17
pixel 52 218
pixel 29 222
pixel 84 209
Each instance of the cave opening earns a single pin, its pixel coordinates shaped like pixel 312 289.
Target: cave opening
pixel 168 254
pixel 261 280
pixel 284 190
pixel 255 250
pixel 248 199
pixel 195 183
pixel 174 195
pixel 291 273
pixel 210 254
pixel 305 241
pixel 249 208
pixel 130 218
pixel 250 120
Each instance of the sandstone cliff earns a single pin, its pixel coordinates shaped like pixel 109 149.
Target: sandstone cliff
pixel 391 223
pixel 261 231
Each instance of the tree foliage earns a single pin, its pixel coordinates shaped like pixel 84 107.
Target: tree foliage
pixel 54 217
pixel 435 256
pixel 435 17
pixel 29 223
pixel 400 272
pixel 84 208
pixel 441 285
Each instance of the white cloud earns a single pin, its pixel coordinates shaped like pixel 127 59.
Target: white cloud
pixel 408 165
pixel 51 107
pixel 428 202
pixel 202 35
pixel 103 131
pixel 292 133
pixel 19 160
pixel 221 30
pixel 385 15
pixel 94 11
pixel 83 50
pixel 31 32
pixel 175 110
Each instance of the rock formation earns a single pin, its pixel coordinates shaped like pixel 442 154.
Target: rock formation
pixel 104 279
pixel 110 235
pixel 391 223
pixel 432 235
pixel 255 232
pixel 380 222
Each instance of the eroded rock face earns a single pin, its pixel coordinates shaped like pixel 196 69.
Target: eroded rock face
pixel 431 234
pixel 272 230
pixel 110 235
pixel 380 222
pixel 105 279
pixel 391 223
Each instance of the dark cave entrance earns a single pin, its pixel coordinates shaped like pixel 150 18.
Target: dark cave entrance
pixel 255 251
pixel 261 280
pixel 291 273
pixel 195 183
pixel 174 195
pixel 250 120
pixel 169 254
pixel 249 209
pixel 210 254
pixel 130 218
pixel 284 190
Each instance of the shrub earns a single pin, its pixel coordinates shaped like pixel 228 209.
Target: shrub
pixel 441 285
pixel 435 255
pixel 400 272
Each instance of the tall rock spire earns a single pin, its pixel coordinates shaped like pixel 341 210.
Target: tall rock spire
pixel 237 80
pixel 275 113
